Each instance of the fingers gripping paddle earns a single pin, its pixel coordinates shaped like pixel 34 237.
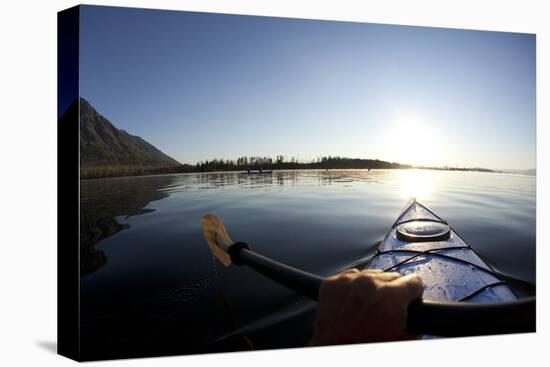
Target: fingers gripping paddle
pixel 424 317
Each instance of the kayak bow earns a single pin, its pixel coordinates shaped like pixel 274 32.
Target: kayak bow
pixel 421 242
pixel 463 294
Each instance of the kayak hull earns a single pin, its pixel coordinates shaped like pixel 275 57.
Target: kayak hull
pixel 450 269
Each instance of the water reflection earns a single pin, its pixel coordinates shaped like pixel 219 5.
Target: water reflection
pixel 237 180
pixel 102 201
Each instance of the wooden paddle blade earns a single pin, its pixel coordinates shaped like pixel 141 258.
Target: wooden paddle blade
pixel 217 238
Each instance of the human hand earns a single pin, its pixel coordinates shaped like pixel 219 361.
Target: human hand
pixel 365 306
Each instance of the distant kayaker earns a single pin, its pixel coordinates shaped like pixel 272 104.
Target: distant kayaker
pixel 365 306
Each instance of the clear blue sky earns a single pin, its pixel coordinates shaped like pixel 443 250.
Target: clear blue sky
pixel 200 86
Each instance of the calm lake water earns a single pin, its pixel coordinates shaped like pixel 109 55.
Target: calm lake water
pixel 150 285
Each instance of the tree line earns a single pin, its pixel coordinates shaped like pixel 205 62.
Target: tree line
pixel 282 162
pixel 244 163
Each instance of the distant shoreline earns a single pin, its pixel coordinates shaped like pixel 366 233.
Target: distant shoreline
pixel 464 169
pixel 480 170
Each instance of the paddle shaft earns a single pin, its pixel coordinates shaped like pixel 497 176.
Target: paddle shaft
pixel 424 317
pixel 301 282
pixel 468 319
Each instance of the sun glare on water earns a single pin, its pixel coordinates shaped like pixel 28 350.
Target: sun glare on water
pixel 415 183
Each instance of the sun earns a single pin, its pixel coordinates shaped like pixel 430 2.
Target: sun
pixel 412 140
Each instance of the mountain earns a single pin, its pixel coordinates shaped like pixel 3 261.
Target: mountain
pixel 108 151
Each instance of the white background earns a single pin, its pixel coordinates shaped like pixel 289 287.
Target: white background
pixel 28 181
